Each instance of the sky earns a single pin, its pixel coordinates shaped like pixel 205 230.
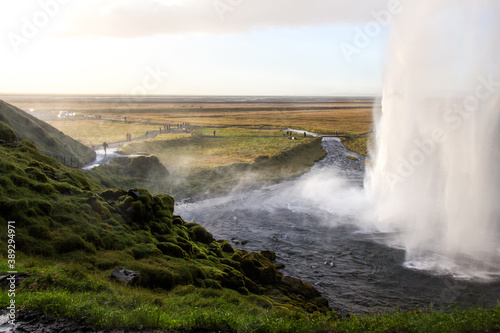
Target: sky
pixel 194 47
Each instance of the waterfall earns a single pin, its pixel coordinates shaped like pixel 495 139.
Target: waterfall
pixel 434 176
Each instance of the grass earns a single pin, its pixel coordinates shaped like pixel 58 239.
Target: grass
pixel 70 234
pixel 345 116
pixel 196 153
pixel 93 132
pixel 73 292
pixel 236 158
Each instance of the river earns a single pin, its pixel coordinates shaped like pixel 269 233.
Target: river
pixel 316 225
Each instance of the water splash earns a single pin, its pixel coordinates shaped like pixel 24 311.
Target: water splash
pixel 434 175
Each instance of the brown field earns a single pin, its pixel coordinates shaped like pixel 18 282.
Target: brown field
pixel 349 116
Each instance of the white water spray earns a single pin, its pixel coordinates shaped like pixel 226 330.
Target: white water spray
pixel 435 174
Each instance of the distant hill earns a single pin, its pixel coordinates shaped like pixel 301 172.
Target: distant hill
pixel 43 135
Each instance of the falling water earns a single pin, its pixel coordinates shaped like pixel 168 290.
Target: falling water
pixel 434 176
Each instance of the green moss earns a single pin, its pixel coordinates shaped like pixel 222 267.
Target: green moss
pixel 200 234
pixel 7 134
pixel 141 251
pixel 226 246
pixel 172 250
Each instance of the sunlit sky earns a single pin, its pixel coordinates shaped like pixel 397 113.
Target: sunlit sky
pixel 193 47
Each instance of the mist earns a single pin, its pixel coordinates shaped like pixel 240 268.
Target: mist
pixel 434 176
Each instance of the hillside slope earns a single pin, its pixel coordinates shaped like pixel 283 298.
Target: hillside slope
pixel 70 235
pixel 45 136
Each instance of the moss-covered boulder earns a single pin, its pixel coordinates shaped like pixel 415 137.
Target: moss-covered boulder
pixel 7 134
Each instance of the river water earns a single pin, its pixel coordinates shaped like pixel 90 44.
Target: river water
pixel 316 226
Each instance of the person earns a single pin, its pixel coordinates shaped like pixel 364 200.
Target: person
pixel 105 146
pixel 214 133
pixel 305 134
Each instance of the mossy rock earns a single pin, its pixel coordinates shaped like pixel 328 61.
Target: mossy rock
pixel 300 287
pixel 231 263
pixel 226 246
pixel 42 207
pixel 36 174
pixel 200 234
pixel 65 188
pixel 232 279
pixel 167 201
pixel 155 276
pixel 44 188
pixel 160 228
pixel 269 255
pixel 176 219
pixel 172 250
pixel 69 242
pixel 141 251
pixel 211 283
pixel 7 134
pixel 186 246
pixel 98 207
pixel 113 194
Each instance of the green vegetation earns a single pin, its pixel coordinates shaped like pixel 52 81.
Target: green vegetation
pixel 72 232
pixel 47 138
pixel 358 144
pixel 235 158
pixel 70 235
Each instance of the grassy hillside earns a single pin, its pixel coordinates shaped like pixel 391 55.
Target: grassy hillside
pixel 46 137
pixel 70 235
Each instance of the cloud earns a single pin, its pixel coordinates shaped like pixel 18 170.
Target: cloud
pixel 139 18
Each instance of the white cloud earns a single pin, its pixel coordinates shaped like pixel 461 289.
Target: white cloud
pixel 137 18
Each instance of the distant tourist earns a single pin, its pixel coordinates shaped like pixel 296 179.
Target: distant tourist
pixel 214 133
pixel 305 134
pixel 105 146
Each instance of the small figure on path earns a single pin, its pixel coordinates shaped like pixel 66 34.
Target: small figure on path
pixel 305 134
pixel 214 133
pixel 105 146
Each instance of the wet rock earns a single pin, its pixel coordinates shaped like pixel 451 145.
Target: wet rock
pixel 125 276
pixel 134 193
pixel 299 287
pixel 269 255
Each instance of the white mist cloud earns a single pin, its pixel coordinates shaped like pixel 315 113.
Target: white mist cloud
pixel 132 18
